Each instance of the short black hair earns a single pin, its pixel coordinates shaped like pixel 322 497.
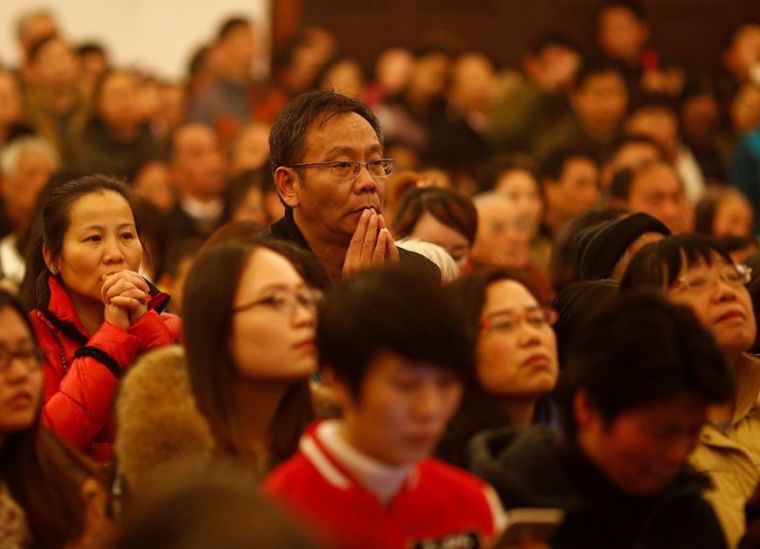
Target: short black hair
pixel 594 67
pixel 87 48
pixel 288 135
pixel 554 163
pixel 552 38
pixel 36 48
pixel 448 206
pixel 498 165
pixel 641 349
pixel 658 265
pixel 632 6
pixel 229 25
pixel 622 180
pixel 393 309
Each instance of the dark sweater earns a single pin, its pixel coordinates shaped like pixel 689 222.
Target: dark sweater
pixel 535 468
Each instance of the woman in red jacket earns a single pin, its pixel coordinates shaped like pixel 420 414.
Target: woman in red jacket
pixel 94 314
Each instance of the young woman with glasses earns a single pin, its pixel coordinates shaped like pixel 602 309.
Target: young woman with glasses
pixel 49 494
pixel 249 319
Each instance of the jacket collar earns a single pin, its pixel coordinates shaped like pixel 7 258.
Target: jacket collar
pixel 56 305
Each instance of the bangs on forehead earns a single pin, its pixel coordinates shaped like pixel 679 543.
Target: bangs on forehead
pixel 687 253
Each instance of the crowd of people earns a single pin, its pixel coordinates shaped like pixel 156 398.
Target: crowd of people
pixel 338 310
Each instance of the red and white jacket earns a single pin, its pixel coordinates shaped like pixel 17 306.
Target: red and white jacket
pixel 438 505
pixel 82 370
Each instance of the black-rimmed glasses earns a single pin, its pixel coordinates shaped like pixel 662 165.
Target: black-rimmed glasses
pixel 349 169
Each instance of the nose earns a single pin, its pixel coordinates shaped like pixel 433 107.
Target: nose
pixel 303 315
pixel 364 182
pixel 428 402
pixel 529 335
pixel 112 252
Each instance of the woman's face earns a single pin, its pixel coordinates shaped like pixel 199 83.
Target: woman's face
pixel 733 216
pixel 429 229
pixel 274 319
pixel 20 374
pixel 251 208
pixel 101 240
pixel 522 188
pixel 516 348
pixel 720 301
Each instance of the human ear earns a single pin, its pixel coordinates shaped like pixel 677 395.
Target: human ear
pixel 287 181
pixel 582 410
pixel 338 389
pixel 50 260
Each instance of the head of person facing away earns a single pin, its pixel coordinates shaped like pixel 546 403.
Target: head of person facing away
pixel 393 349
pixel 636 387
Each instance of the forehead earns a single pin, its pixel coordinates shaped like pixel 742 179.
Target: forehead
pixel 266 268
pixel 13 326
pixel 348 131
pixel 507 294
pixel 659 177
pixel 194 136
pixel 576 164
pixel 609 80
pixel 497 208
pixel 100 205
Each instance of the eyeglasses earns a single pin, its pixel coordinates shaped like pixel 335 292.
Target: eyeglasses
pixel 349 169
pixel 31 358
pixel 285 302
pixel 509 321
pixel 733 275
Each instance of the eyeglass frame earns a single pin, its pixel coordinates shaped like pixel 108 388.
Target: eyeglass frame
pixel 294 304
pixel 34 353
pixel 550 318
pixel 357 166
pixel 680 283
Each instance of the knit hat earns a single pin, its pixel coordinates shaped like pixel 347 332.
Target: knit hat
pixel 601 246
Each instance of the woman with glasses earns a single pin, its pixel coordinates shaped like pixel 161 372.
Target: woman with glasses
pixel 693 270
pixel 515 353
pixel 49 495
pixel 249 319
pixel 93 313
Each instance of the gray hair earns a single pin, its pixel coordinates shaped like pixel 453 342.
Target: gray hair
pixel 11 154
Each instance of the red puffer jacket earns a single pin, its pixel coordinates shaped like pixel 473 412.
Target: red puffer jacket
pixel 82 371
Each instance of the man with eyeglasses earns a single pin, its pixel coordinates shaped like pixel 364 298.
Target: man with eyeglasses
pixel 326 152
pixel 693 270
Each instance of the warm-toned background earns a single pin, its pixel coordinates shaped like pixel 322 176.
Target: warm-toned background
pixel 687 31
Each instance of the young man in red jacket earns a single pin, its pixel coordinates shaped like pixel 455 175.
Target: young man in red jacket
pixel 395 354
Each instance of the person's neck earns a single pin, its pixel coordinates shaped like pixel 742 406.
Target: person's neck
pixel 124 132
pixel 331 252
pixel 90 312
pixel 599 134
pixel 198 197
pixel 256 405
pixel 554 221
pixel 59 100
pixel 231 73
pixel 518 412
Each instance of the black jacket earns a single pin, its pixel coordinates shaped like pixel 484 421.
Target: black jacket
pixel 287 230
pixel 535 468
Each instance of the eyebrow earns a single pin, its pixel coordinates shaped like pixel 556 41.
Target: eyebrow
pixel 333 151
pixel 511 311
pixel 100 227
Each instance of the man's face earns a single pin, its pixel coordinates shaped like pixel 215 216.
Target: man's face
pixel 198 166
pixel 328 206
pixel 55 65
pixel 621 35
pixel 644 447
pixel 658 192
pixel 503 237
pixel 577 188
pixel 239 47
pixel 402 409
pixel 723 308
pixel 21 187
pixel 601 102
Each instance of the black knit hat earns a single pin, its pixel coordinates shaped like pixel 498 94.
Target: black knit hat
pixel 601 246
